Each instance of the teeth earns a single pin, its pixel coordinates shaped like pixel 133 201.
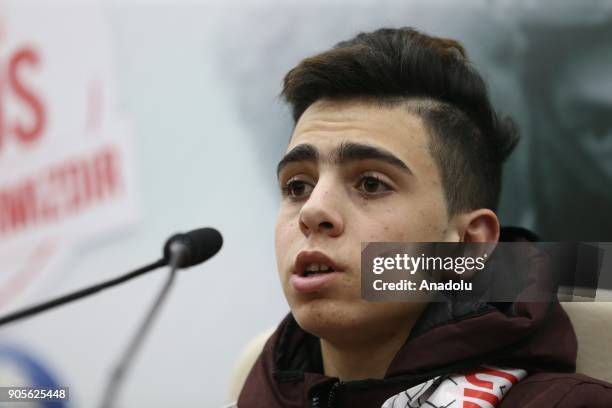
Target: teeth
pixel 314 267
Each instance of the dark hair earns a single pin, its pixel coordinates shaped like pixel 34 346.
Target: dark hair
pixel 393 66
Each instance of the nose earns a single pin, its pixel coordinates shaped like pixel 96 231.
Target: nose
pixel 321 213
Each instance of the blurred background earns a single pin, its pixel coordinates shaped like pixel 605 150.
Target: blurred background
pixel 122 122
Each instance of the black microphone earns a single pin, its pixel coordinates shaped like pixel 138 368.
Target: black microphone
pixel 180 251
pixel 193 247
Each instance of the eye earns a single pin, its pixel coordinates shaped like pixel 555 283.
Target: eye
pixel 371 185
pixel 296 189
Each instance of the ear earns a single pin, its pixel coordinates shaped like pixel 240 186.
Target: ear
pixel 479 225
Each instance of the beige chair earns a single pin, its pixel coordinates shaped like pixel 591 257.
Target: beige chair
pixel 592 322
pixel 593 325
pixel 245 361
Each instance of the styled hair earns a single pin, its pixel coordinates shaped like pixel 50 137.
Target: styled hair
pixel 434 79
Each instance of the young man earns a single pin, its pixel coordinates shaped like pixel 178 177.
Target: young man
pixel 395 140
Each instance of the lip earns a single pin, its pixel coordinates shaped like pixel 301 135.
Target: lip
pixel 312 283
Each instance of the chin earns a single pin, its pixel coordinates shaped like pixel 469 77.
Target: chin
pixel 328 318
pixel 355 320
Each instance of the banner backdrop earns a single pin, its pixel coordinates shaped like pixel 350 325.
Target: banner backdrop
pixel 66 171
pixel 65 164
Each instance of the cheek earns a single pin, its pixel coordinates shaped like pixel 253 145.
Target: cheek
pixel 278 233
pixel 403 220
pixel 285 234
pixel 283 221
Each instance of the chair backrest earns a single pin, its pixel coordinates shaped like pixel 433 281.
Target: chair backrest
pixel 592 323
pixel 245 362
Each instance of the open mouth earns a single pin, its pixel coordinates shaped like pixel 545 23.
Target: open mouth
pixel 313 271
pixel 309 263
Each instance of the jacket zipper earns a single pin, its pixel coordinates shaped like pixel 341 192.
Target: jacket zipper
pixel 332 391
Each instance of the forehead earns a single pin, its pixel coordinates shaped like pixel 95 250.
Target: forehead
pixel 326 124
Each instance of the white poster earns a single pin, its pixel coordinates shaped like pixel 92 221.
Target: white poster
pixel 65 166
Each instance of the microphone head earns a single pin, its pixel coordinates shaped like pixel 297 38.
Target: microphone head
pixel 194 246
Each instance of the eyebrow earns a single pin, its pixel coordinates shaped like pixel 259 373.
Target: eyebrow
pixel 346 152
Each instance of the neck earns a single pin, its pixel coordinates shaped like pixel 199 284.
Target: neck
pixel 362 360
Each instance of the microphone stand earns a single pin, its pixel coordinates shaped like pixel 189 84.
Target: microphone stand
pixel 117 377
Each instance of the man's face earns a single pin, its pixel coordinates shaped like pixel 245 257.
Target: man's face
pixel 353 173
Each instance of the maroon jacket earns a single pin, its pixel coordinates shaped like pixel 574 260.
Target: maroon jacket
pixel 537 337
pixel 449 338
